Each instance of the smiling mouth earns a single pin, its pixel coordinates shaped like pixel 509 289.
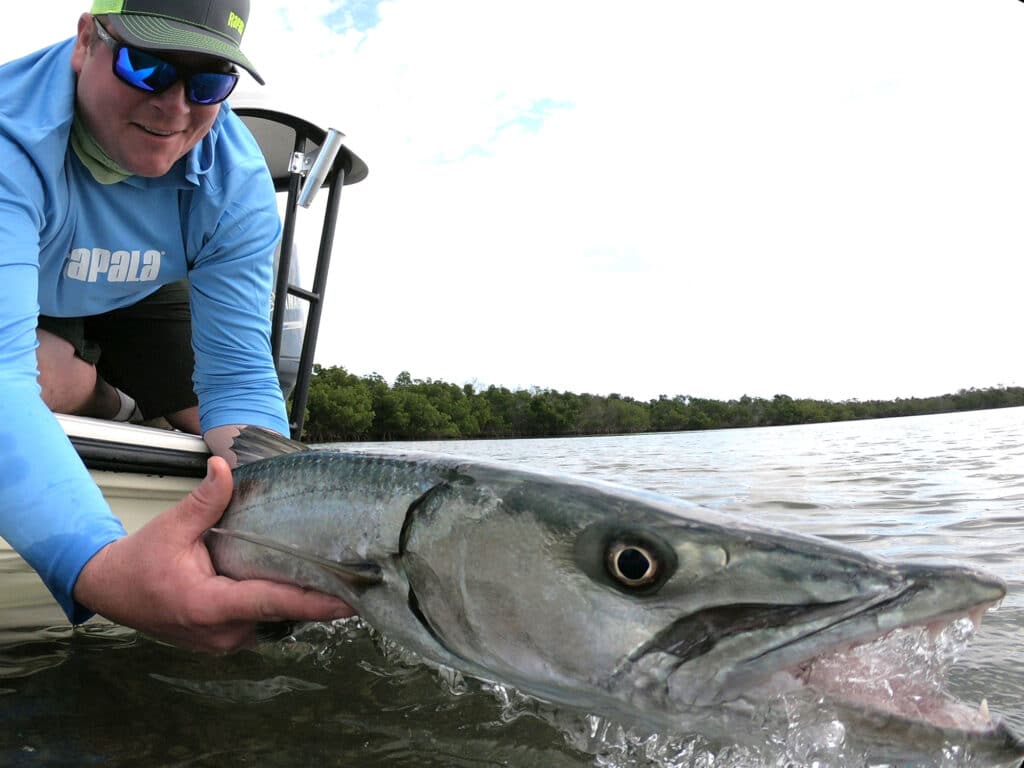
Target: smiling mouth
pixel 156 131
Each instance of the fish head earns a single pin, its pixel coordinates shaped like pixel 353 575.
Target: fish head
pixel 617 601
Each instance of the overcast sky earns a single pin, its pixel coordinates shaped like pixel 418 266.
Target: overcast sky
pixel 714 197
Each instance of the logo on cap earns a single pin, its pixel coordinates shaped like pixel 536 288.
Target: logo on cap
pixel 236 22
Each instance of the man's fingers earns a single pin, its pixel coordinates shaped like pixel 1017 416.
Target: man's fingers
pixel 258 600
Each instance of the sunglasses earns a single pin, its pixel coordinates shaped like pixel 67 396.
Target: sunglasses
pixel 146 72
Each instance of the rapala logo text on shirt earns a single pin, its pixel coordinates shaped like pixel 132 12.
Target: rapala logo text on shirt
pixel 90 265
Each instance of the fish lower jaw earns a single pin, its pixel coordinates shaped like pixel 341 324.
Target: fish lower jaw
pixel 901 674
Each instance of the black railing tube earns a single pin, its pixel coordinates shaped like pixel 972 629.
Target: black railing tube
pixel 323 264
pixel 284 258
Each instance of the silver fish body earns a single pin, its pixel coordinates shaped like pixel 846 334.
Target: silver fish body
pixel 619 602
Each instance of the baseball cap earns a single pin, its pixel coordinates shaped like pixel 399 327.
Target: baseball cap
pixel 209 27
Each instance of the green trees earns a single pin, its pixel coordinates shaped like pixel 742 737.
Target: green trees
pixel 413 410
pixel 345 407
pixel 339 407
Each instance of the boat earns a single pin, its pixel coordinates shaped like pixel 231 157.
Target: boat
pixel 142 470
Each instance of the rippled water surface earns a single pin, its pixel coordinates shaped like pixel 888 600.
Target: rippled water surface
pixel 937 488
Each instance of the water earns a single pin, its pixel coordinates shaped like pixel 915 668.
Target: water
pixel 936 488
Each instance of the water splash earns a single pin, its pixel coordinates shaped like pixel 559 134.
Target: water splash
pixel 318 643
pixel 794 731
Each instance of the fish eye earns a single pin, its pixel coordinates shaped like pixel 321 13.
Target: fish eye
pixel 633 565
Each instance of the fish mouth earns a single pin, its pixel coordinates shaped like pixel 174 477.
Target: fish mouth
pixel 882 658
pixel 897 684
pixel 900 674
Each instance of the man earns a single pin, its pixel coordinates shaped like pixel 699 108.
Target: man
pixel 124 173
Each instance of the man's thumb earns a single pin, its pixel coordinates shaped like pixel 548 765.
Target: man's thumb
pixel 205 505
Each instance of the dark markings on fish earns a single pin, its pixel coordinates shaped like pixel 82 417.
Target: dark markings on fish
pixel 414 509
pixel 421 617
pixel 695 635
pixel 419 506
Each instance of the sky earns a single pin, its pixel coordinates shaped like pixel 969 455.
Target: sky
pixel 668 197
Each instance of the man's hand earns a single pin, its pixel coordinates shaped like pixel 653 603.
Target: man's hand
pixel 160 580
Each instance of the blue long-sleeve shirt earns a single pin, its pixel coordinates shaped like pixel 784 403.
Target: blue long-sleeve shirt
pixel 72 247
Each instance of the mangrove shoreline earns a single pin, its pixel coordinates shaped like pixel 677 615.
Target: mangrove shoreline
pixel 345 407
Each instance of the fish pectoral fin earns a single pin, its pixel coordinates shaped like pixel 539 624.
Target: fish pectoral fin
pixel 256 443
pixel 356 574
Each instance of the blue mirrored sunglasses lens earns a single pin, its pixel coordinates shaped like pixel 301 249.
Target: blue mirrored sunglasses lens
pixel 151 73
pixel 144 71
pixel 211 87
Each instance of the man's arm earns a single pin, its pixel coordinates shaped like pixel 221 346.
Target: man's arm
pixel 51 512
pixel 230 242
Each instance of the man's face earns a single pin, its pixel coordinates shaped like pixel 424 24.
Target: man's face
pixel 143 133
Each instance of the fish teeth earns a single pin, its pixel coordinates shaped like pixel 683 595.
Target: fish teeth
pixel 935 629
pixel 976 616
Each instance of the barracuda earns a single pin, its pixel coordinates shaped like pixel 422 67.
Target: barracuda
pixel 618 602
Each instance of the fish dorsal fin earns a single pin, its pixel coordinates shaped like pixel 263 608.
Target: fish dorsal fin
pixel 255 443
pixel 358 574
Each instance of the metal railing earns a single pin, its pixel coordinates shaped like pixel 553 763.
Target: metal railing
pixel 317 158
